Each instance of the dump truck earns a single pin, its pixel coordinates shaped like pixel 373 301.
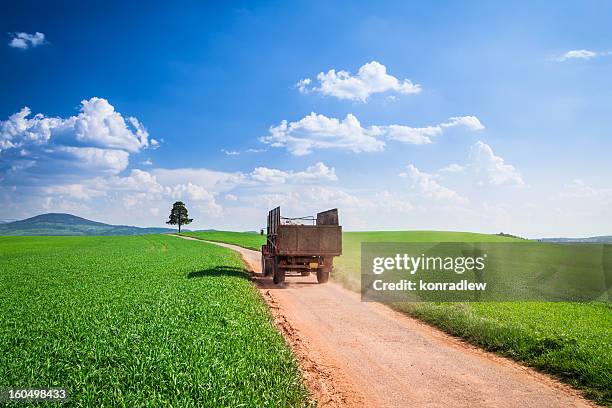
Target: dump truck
pixel 301 245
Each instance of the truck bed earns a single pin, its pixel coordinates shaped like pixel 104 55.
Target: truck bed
pixel 307 240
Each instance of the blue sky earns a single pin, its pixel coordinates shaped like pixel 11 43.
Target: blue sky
pixel 467 115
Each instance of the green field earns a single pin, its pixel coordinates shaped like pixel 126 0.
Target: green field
pixel 570 340
pixel 133 321
pixel 249 240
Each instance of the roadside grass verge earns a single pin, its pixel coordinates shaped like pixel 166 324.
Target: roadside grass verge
pixel 572 341
pixel 249 240
pixel 144 320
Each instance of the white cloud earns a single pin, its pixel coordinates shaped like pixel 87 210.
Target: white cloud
pixel 428 187
pixel 407 134
pixel 580 189
pixel 424 135
pixel 371 78
pixel 230 152
pixel 190 190
pixel 139 189
pixel 582 54
pixel 231 197
pixel 317 172
pixel 97 125
pixel 302 85
pixel 470 122
pixel 391 201
pixel 147 162
pixel 211 180
pixel 306 200
pixel 492 169
pixel 133 201
pixel 453 168
pixel 96 142
pixel 78 191
pixel 93 159
pixel 18 130
pixel 138 180
pixel 24 40
pixel 320 132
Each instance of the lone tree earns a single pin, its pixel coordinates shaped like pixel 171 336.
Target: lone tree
pixel 178 215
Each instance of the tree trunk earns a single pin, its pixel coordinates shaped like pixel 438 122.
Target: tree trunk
pixel 179 224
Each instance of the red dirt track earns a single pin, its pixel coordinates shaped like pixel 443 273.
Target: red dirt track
pixel 364 354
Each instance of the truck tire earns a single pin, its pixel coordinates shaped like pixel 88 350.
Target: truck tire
pixel 263 265
pixel 279 273
pixel 279 276
pixel 323 275
pixel 268 270
pixel 267 266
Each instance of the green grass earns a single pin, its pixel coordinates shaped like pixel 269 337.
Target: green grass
pixel 247 240
pixel 134 321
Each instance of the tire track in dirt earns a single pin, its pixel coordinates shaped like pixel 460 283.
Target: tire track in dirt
pixel 364 354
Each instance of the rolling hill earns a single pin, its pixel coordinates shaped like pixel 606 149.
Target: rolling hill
pixel 68 224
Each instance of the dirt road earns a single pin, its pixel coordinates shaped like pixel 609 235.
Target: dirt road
pixel 364 354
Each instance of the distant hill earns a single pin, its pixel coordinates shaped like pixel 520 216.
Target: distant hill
pixel 68 224
pixel 604 239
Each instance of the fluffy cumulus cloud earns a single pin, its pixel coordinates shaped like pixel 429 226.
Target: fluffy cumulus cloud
pixel 317 131
pixel 582 54
pixel 97 141
pixel 427 186
pixel 315 173
pixel 320 132
pixel 492 169
pixel 371 78
pixel 24 40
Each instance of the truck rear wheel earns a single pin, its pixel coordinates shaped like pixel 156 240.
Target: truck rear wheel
pixel 278 273
pixel 263 265
pixel 279 276
pixel 323 275
pixel 267 268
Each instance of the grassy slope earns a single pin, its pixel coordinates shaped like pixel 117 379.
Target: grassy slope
pixel 132 321
pixel 244 239
pixel 571 340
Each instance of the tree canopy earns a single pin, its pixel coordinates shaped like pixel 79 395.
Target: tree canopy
pixel 179 215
